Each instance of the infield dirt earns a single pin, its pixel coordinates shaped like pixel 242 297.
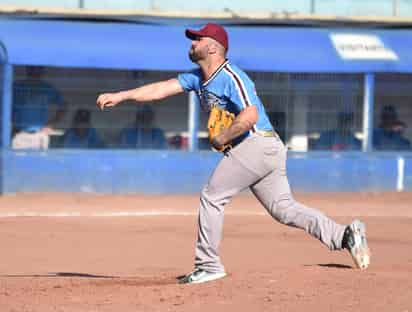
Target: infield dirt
pixel 84 252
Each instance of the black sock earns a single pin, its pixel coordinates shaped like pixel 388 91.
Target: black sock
pixel 346 237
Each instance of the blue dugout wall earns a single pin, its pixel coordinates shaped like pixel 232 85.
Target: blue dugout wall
pixel 79 44
pixel 158 172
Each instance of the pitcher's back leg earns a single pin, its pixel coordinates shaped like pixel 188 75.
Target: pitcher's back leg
pixel 273 191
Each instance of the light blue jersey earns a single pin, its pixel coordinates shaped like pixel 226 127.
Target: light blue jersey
pixel 230 88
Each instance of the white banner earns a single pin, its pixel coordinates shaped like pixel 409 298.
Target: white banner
pixel 361 47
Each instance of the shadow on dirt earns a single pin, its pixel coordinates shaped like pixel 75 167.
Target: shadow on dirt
pixel 125 280
pixel 331 265
pixel 103 279
pixel 61 274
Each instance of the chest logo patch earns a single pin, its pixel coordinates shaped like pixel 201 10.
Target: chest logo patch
pixel 208 100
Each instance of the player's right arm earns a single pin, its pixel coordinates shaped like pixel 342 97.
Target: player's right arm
pixel 150 92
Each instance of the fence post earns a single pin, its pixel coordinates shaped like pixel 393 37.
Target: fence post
pixel 6 105
pixel 193 122
pixel 368 99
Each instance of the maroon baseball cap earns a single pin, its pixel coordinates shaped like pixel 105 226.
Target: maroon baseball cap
pixel 210 30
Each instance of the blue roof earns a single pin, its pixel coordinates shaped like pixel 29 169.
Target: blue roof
pixel 164 47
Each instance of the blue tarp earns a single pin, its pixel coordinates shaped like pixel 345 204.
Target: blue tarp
pixel 164 47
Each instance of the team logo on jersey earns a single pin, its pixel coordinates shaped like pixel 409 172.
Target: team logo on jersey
pixel 208 100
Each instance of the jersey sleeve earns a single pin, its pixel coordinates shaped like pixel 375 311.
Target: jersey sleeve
pixel 190 81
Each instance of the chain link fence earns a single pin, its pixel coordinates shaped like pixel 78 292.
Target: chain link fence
pixel 309 111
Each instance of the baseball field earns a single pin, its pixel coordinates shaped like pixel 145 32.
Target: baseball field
pixel 87 252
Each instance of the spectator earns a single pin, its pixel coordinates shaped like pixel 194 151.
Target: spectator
pixel 81 134
pixel 389 134
pixel 141 134
pixel 33 120
pixel 341 138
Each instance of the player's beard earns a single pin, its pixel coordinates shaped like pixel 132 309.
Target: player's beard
pixel 193 56
pixel 196 55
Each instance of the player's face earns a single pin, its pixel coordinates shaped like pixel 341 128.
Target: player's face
pixel 199 49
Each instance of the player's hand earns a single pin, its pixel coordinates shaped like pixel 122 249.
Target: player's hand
pixel 218 143
pixel 108 100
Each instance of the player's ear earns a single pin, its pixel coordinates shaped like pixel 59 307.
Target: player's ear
pixel 214 46
pixel 218 48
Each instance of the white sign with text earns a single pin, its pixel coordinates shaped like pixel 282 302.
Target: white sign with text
pixel 361 47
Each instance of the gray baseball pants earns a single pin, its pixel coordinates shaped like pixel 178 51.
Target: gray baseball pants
pixel 258 163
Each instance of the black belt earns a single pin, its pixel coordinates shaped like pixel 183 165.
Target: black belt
pixel 264 133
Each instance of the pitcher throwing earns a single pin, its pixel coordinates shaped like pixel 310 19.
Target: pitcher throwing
pixel 253 155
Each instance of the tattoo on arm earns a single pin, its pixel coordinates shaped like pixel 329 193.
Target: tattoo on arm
pixel 242 123
pixel 237 128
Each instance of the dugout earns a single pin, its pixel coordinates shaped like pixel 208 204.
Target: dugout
pixel 304 74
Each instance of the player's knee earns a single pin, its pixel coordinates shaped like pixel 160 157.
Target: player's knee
pixel 205 193
pixel 208 198
pixel 281 206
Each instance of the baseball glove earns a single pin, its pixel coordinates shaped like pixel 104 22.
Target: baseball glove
pixel 219 120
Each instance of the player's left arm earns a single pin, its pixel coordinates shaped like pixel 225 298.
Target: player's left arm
pixel 243 122
pixel 242 93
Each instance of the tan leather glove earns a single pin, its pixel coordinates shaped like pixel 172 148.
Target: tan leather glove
pixel 219 120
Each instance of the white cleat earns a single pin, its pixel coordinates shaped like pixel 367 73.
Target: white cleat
pixel 355 242
pixel 200 276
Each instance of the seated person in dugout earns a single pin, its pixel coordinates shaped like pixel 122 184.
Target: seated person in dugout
pixel 341 138
pixel 82 134
pixel 142 134
pixel 33 119
pixel 389 134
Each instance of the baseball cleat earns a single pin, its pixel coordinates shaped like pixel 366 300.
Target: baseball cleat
pixel 354 240
pixel 200 276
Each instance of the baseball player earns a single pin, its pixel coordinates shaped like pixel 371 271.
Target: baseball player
pixel 256 158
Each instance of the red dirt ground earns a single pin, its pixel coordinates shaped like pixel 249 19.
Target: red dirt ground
pixel 90 261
